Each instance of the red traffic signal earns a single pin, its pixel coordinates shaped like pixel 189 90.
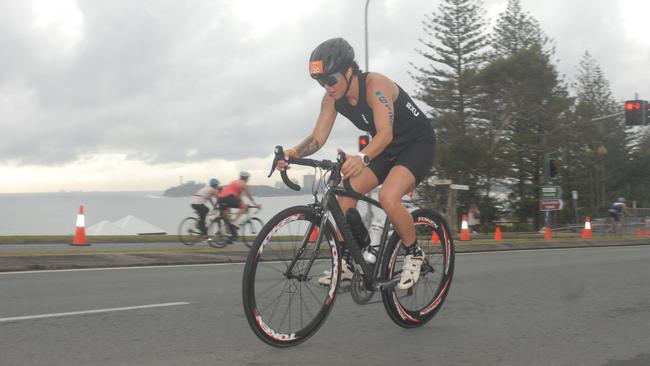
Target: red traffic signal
pixel 636 112
pixel 364 140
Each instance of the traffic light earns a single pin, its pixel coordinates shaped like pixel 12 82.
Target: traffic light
pixel 636 112
pixel 364 140
pixel 553 166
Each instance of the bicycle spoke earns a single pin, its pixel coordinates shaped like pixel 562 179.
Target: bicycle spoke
pixel 277 302
pixel 272 287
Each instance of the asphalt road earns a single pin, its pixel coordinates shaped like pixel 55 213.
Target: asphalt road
pixel 587 306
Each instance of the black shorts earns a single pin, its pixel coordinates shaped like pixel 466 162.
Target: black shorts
pixel 616 216
pixel 417 158
pixel 230 201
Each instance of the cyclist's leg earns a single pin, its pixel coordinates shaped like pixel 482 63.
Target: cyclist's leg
pixel 242 210
pixel 361 183
pixel 399 182
pixel 202 211
pixel 410 168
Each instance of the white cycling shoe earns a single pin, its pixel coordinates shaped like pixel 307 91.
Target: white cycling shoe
pixel 410 271
pixel 346 275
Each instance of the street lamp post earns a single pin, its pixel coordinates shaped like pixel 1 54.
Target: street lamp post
pixel 366 32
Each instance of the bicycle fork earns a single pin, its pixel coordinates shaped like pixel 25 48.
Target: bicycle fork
pixel 305 241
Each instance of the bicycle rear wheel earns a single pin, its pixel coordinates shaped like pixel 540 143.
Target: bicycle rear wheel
pixel 283 301
pixel 416 306
pixel 249 230
pixel 188 231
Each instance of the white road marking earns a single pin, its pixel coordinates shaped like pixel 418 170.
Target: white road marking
pixel 122 268
pixel 96 311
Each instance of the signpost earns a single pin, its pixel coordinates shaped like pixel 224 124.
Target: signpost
pixel 550 192
pixel 551 204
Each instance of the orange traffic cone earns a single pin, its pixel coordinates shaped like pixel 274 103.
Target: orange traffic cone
pixel 586 232
pixel 464 229
pixel 314 235
pixel 434 238
pixel 547 233
pixel 80 233
pixel 497 233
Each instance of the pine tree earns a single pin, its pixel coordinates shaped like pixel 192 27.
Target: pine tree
pixel 517 30
pixel 599 149
pixel 526 104
pixel 454 49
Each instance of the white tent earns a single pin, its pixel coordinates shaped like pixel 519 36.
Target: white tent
pixel 106 227
pixel 136 225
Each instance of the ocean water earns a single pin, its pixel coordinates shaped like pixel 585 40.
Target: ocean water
pixel 56 213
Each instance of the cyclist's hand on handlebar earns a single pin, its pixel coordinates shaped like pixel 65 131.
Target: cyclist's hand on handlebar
pixel 282 165
pixel 352 166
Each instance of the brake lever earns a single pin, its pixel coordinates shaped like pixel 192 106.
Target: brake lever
pixel 279 154
pixel 341 157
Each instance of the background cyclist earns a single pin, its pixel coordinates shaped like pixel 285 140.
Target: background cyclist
pixel 201 197
pixel 402 149
pixel 230 197
pixel 616 212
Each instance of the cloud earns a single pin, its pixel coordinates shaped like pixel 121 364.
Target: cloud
pixel 166 82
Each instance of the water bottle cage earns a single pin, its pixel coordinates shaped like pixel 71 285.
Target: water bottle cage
pixel 373 249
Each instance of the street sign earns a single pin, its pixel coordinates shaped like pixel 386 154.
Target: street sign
pixel 550 192
pixel 551 204
pixel 461 187
pixel 439 182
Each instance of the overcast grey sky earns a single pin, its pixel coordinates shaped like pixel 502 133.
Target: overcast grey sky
pixel 130 95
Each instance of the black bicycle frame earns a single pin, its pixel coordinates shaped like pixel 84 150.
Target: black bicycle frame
pixel 330 204
pixel 371 272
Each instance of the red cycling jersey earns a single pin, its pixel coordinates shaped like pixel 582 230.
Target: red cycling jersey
pixel 233 188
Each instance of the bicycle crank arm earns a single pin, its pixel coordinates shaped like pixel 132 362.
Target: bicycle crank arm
pixel 387 284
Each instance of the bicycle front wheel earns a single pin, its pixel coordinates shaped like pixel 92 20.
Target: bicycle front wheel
pixel 188 231
pixel 284 302
pixel 249 230
pixel 416 306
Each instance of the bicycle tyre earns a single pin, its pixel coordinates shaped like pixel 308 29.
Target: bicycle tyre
pixel 272 319
pixel 188 233
pixel 415 307
pixel 249 230
pixel 216 235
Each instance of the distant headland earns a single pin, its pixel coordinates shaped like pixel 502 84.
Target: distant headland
pixel 190 188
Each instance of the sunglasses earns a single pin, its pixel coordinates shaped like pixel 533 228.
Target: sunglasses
pixel 330 80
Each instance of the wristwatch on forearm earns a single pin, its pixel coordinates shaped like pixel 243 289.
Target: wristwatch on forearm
pixel 365 159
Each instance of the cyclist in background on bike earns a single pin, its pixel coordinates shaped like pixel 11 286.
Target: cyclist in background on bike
pixel 200 198
pixel 400 154
pixel 616 212
pixel 230 197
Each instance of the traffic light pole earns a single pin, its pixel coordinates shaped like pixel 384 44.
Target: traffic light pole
pixel 608 116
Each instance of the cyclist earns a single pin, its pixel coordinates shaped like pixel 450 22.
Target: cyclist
pixel 400 154
pixel 230 197
pixel 201 197
pixel 616 212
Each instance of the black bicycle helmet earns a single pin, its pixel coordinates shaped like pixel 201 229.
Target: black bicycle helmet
pixel 332 56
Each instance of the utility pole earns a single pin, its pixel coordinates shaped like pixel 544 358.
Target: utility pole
pixel 366 32
pixel 369 214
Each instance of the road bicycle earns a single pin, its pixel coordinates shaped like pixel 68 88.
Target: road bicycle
pixel 221 231
pixel 283 301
